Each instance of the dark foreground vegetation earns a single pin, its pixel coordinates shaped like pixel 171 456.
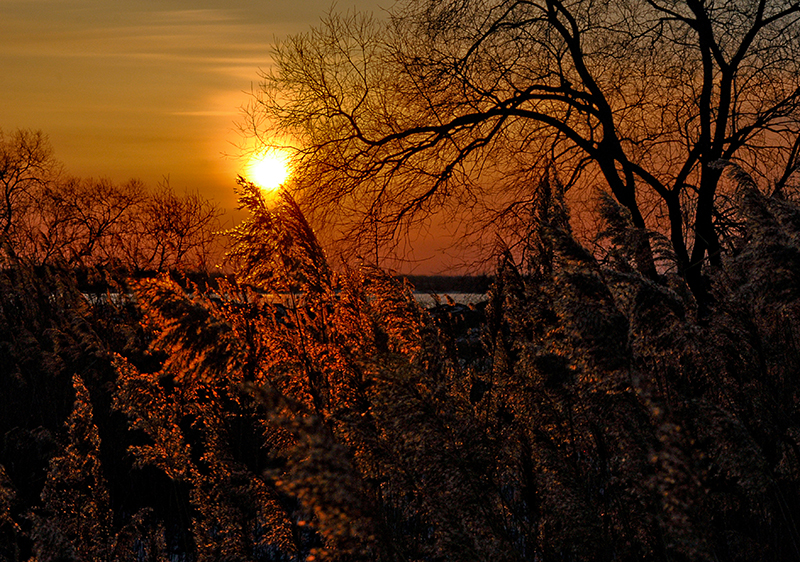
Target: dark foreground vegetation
pixel 591 416
pixel 637 400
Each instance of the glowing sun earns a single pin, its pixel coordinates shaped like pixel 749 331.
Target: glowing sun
pixel 269 169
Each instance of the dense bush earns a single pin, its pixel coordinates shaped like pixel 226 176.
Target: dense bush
pixel 601 416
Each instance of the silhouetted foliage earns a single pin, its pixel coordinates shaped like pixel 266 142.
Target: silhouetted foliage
pixel 49 218
pixel 458 104
pixel 591 414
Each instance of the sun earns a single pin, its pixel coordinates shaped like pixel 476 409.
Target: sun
pixel 269 168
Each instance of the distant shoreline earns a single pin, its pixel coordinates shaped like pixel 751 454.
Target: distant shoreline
pixel 449 283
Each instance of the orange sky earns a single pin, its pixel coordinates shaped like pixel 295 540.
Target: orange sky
pixel 142 88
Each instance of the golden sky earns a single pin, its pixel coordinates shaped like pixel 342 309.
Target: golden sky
pixel 145 89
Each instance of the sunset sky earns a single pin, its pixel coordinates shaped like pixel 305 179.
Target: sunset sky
pixel 142 88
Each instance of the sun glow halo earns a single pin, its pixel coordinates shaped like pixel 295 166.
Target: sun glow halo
pixel 269 169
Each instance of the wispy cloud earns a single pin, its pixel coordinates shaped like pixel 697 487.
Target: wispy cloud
pixel 168 75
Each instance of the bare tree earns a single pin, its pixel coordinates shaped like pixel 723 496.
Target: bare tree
pixel 85 221
pixel 48 217
pixel 176 231
pixel 27 166
pixel 461 101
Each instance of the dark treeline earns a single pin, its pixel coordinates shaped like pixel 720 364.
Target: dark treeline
pixel 592 416
pixel 50 218
pixel 450 283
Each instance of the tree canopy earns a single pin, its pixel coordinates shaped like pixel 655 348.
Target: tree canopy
pixel 48 217
pixel 460 103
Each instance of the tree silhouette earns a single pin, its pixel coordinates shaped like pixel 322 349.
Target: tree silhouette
pixel 462 102
pixel 48 217
pixel 27 166
pixel 84 222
